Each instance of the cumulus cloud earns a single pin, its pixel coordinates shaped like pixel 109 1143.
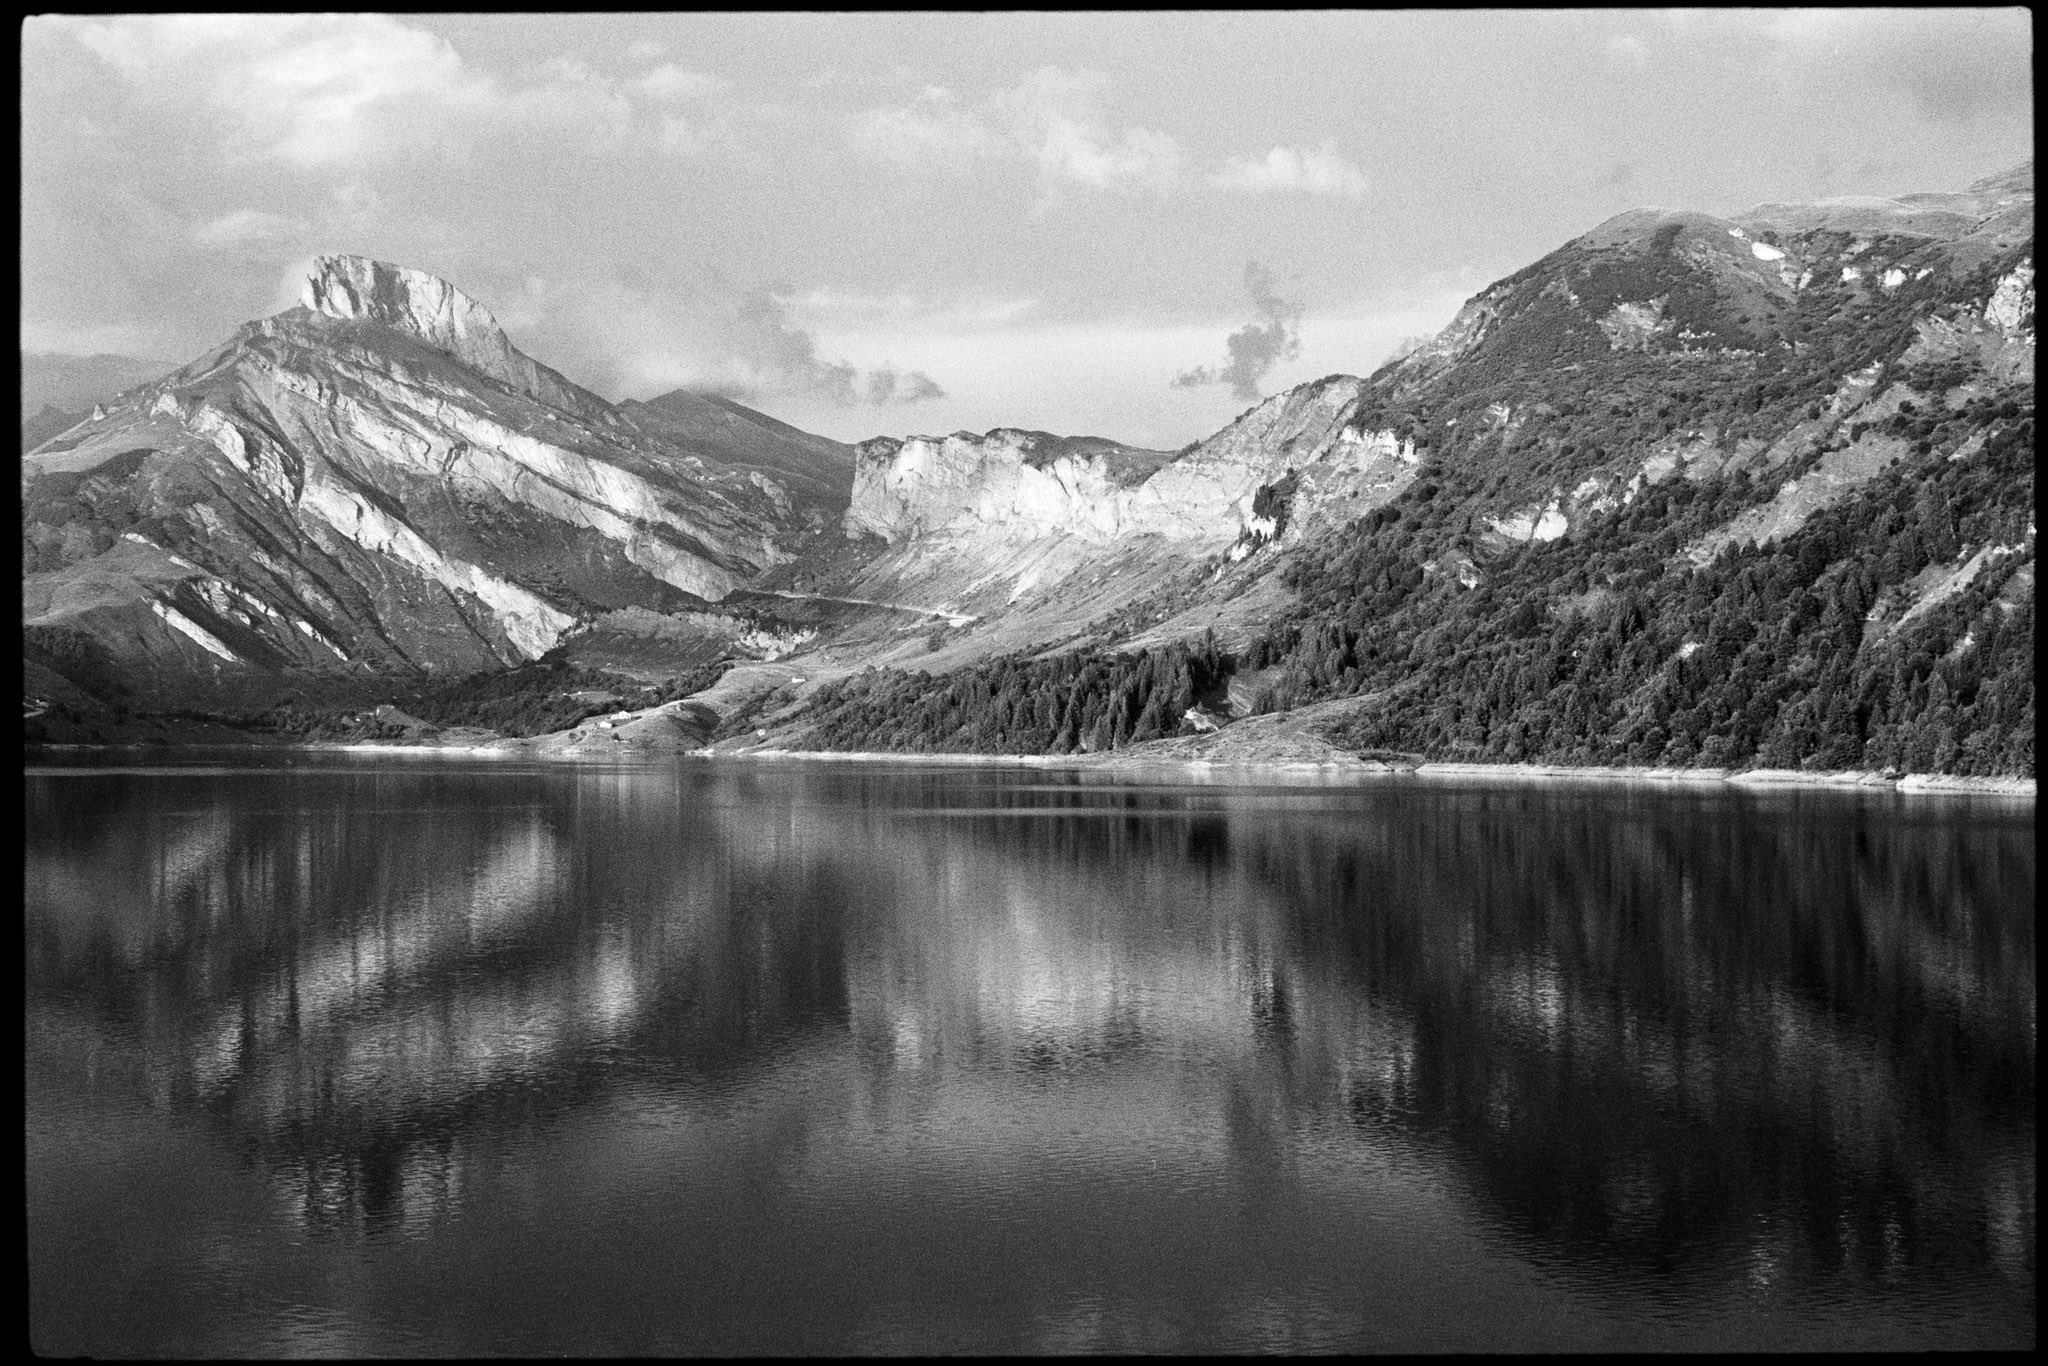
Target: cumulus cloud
pixel 1052 118
pixel 1320 171
pixel 1258 346
pixel 932 130
pixel 297 87
pixel 316 91
pixel 886 386
pixel 1055 116
pixel 782 357
pixel 637 332
pixel 779 358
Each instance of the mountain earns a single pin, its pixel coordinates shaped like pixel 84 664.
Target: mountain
pixel 377 482
pixel 58 392
pixel 815 470
pixel 1687 491
pixel 75 383
pixel 48 421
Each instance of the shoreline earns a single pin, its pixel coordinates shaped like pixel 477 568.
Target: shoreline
pixel 1342 768
pixel 1366 770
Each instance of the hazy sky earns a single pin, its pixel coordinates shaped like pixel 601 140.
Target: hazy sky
pixel 1110 224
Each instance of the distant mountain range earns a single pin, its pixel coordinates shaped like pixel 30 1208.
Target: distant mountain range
pixel 58 392
pixel 76 383
pixel 1686 491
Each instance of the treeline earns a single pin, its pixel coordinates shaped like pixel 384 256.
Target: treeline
pixel 1020 705
pixel 1605 647
pixel 1576 406
pixel 1601 650
pixel 533 699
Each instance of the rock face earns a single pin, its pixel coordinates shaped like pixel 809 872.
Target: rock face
pixel 1002 521
pixel 813 473
pixel 379 480
pixel 434 312
pixel 1005 481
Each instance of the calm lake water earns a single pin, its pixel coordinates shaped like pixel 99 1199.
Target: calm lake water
pixel 408 1055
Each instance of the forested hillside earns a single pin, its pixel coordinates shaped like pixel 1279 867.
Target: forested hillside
pixel 1687 491
pixel 1785 524
pixel 1795 654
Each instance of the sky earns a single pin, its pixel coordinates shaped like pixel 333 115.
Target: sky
pixel 1129 225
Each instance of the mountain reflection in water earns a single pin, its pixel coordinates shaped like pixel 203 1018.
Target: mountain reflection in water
pixel 434 1056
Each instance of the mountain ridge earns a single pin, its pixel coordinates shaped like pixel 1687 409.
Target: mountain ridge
pixel 1822 407
pixel 375 479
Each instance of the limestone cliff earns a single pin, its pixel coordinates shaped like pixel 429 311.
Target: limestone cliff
pixel 1011 485
pixel 431 310
pixel 379 479
pixel 1032 535
pixel 1005 482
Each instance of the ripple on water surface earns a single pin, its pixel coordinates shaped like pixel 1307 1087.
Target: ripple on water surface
pixel 360 1057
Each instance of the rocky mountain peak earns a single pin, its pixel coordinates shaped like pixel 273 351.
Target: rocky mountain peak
pixel 413 301
pixel 429 309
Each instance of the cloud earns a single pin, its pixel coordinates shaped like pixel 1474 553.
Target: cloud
pixel 672 84
pixel 932 130
pixel 1405 347
pixel 1055 117
pixel 634 332
pixel 1050 118
pixel 946 313
pixel 1954 65
pixel 758 352
pixel 885 386
pixel 779 358
pixel 300 88
pixel 1258 346
pixel 1320 172
pixel 248 227
pixel 1071 150
pixel 317 91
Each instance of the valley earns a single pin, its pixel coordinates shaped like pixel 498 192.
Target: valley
pixel 1688 494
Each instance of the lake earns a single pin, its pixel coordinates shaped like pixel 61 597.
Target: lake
pixel 336 1054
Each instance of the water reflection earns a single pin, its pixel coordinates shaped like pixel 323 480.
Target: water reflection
pixel 1672 1051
